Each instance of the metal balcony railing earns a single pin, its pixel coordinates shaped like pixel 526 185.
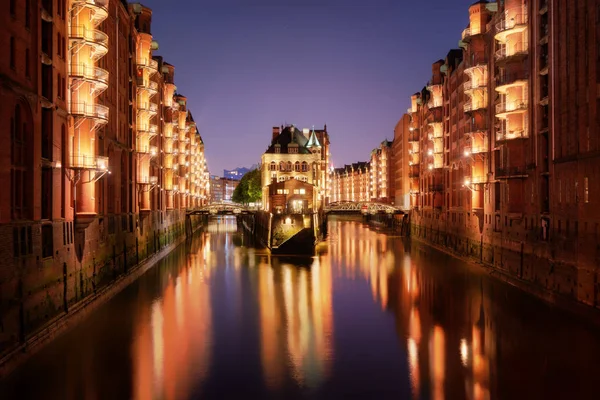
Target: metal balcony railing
pixel 466 33
pixel 82 161
pixel 474 85
pixel 520 48
pixel 89 73
pixel 94 111
pixel 93 37
pixel 99 11
pixel 511 172
pixel 148 180
pixel 506 107
pixel 148 63
pixel 473 106
pixel 507 79
pixel 504 134
pixel 512 22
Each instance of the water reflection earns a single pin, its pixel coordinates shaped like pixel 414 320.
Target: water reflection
pixel 173 336
pixel 371 316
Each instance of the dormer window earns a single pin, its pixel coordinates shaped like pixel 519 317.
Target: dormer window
pixel 277 149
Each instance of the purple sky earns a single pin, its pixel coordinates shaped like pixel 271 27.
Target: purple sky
pixel 249 65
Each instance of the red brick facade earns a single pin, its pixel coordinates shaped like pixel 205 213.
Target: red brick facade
pixel 92 185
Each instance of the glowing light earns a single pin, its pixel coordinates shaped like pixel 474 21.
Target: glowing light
pixel 467 182
pixel 467 153
pixel 430 152
pixel 464 352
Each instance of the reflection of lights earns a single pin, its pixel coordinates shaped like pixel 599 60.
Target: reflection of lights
pixel 464 352
pixel 413 364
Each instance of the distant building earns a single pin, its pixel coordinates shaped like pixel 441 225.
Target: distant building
pixel 351 182
pixel 382 177
pixel 406 164
pixel 236 174
pixel 297 154
pixel 221 189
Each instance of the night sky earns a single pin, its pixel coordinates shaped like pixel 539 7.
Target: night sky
pixel 248 65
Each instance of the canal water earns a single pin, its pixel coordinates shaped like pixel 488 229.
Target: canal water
pixel 372 316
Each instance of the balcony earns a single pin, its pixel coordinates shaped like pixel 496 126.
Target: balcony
pixel 516 51
pixel 505 108
pixel 511 173
pixel 472 106
pixel 151 130
pixel 148 107
pixel 476 149
pixel 148 180
pixel 97 112
pixel 507 81
pixel 98 11
pixel 94 75
pixel 510 25
pixel 470 86
pixel 505 134
pixel 466 34
pixel 432 104
pixel 478 63
pixel 150 86
pixel 83 36
pixel 81 161
pixel 148 63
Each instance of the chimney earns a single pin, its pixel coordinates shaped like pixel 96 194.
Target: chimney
pixel 276 132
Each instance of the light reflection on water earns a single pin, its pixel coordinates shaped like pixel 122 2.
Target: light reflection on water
pixel 370 316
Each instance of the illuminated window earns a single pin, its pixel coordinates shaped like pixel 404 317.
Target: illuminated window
pixel 586 192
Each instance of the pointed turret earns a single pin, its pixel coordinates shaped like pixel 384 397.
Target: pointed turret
pixel 312 140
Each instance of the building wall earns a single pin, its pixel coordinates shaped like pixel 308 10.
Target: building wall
pixel 87 198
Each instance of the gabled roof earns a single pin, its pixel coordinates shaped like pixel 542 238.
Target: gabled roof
pixel 289 134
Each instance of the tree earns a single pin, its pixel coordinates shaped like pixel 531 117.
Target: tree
pixel 249 190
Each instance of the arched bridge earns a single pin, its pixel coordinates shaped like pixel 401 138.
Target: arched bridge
pixel 363 207
pixel 220 209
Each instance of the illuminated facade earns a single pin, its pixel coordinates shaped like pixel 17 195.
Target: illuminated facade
pixel 297 154
pixel 403 154
pixel 382 169
pixel 87 111
pixel 351 183
pixel 506 170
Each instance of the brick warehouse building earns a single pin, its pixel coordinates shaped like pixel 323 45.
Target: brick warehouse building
pixel 351 182
pixel 101 154
pixel 504 144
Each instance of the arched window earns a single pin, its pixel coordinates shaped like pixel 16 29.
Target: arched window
pixel 297 166
pixel 273 166
pixel 289 165
pixel 282 166
pixel 304 166
pixel 21 182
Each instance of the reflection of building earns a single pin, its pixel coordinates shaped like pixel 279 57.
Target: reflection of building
pixel 382 176
pixel 351 183
pixel 291 197
pixel 175 326
pixel 221 189
pixel 296 322
pixel 301 155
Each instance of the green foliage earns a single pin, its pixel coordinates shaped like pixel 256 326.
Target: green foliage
pixel 249 190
